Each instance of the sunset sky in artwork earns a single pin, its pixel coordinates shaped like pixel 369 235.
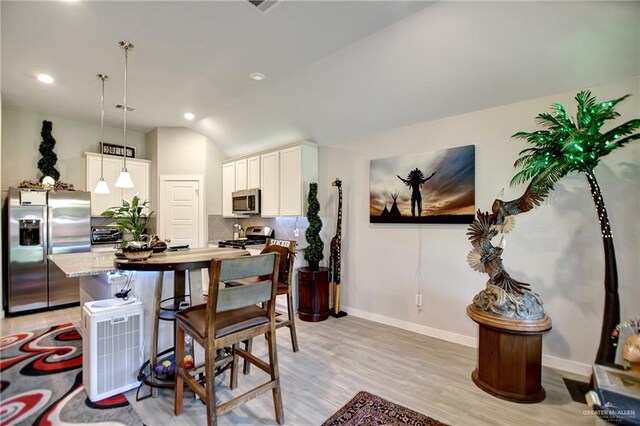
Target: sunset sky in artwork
pixel 449 192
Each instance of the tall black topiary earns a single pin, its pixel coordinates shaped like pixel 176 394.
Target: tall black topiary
pixel 314 251
pixel 47 163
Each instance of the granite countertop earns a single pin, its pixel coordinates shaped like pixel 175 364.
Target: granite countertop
pixel 84 264
pixel 181 260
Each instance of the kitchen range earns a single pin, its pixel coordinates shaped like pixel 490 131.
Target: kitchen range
pixel 42 223
pixel 254 235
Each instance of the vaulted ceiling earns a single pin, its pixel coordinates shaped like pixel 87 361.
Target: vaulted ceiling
pixel 335 70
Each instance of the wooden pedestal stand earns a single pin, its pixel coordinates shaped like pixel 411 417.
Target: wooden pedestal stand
pixel 509 356
pixel 313 294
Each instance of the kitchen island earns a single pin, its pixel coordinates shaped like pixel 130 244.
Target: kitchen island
pixel 162 276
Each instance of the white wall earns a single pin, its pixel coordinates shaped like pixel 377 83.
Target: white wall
pixel 214 157
pixel 557 247
pixel 180 151
pixel 21 139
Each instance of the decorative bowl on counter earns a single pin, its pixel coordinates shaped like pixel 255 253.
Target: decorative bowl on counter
pixel 157 245
pixel 137 252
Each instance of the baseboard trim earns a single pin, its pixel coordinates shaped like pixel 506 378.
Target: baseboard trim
pixel 416 328
pixel 547 360
pixel 567 365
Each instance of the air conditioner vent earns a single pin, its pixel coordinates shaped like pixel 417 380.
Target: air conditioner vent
pixel 264 6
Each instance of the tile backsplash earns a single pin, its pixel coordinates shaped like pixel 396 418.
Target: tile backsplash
pixel 221 228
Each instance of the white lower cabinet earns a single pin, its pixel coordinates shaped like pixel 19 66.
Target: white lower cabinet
pixel 138 168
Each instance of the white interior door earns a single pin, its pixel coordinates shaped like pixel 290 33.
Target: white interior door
pixel 182 212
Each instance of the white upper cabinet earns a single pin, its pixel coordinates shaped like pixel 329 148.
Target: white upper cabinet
pixel 101 202
pixel 298 168
pixel 283 176
pixel 253 172
pixel 139 171
pixel 138 168
pixel 228 186
pixel 241 175
pixel 270 191
pixel 291 182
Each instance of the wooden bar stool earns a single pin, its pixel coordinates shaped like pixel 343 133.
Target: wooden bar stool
pixel 232 315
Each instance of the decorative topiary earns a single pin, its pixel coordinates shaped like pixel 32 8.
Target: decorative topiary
pixel 314 251
pixel 47 163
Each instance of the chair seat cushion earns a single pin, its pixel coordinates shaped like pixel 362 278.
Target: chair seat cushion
pixel 226 322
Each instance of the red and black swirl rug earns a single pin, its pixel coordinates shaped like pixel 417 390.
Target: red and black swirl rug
pixel 41 382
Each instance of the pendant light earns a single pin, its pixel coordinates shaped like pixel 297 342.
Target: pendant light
pixel 124 180
pixel 101 186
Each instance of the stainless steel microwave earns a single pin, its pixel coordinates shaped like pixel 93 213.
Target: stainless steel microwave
pixel 246 202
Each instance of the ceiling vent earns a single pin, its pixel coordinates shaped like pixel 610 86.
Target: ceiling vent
pixel 264 6
pixel 120 106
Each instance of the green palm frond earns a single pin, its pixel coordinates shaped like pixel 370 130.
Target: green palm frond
pixel 547 121
pixel 564 146
pixel 563 119
pixel 622 130
pixel 622 142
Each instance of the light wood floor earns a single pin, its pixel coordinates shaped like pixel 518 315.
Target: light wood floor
pixel 340 357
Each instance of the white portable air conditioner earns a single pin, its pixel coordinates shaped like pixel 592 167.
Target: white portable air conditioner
pixel 112 346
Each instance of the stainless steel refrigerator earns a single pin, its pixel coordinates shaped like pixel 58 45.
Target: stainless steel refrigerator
pixel 43 222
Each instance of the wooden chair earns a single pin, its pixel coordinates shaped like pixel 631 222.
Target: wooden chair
pixel 285 283
pixel 287 250
pixel 232 315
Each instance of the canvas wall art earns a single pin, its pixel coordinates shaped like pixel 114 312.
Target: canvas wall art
pixel 431 187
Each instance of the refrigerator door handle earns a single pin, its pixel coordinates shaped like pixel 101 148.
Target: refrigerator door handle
pixel 49 236
pixel 45 236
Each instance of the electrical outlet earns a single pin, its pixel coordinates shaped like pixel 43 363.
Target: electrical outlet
pixel 296 232
pixel 418 300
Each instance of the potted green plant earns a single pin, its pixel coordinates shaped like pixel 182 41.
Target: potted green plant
pixel 132 218
pixel 314 251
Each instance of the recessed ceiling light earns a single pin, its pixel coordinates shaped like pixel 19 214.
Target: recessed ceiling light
pixel 257 76
pixel 189 116
pixel 45 78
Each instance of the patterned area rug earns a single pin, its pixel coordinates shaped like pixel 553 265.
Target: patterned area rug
pixel 41 382
pixel 368 409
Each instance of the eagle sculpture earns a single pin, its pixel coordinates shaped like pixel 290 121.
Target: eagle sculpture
pixel 504 295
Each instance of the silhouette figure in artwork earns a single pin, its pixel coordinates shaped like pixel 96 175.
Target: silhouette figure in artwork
pixel 414 180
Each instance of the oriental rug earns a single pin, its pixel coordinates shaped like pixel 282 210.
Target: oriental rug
pixel 367 409
pixel 41 382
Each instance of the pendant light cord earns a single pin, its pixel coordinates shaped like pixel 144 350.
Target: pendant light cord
pixel 126 63
pixel 103 78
